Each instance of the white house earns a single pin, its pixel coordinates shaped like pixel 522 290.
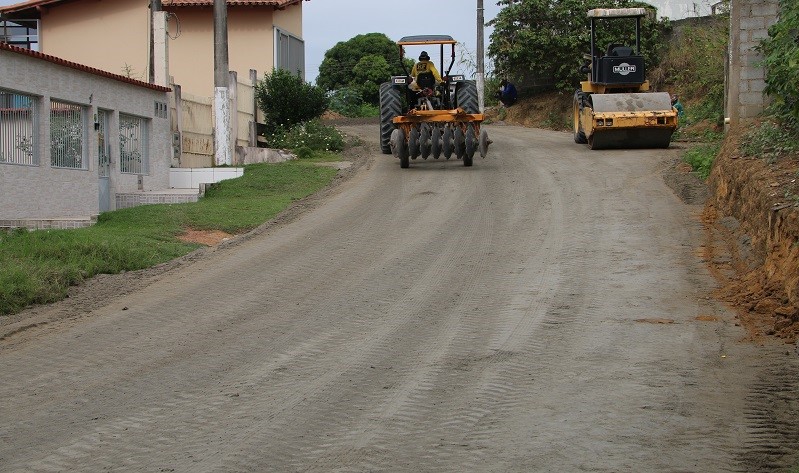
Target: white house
pixel 74 140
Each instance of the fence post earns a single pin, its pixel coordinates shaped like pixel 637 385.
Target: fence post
pixel 177 133
pixel 233 86
pixel 254 121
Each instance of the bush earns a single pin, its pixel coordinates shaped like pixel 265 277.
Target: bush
pixel 781 52
pixel 701 158
pixel 693 68
pixel 368 110
pixel 769 141
pixel 306 138
pixel 491 89
pixel 346 101
pixel 287 100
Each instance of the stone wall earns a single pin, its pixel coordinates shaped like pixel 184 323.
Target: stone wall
pixel 749 24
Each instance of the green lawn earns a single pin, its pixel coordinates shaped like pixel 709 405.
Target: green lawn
pixel 38 267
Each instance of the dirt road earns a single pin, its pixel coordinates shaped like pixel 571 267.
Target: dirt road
pixel 544 310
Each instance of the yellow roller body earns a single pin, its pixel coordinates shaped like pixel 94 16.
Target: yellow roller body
pixel 629 120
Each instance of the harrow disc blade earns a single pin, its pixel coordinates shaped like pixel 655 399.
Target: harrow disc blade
pixel 482 143
pixel 435 142
pixel 447 144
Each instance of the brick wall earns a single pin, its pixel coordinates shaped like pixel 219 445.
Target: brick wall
pixel 749 24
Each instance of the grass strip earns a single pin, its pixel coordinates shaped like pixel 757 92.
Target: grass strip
pixel 38 267
pixel 701 158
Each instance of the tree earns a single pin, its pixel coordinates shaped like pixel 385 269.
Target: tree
pixel 547 38
pixel 781 51
pixel 369 73
pixel 361 63
pixel 287 100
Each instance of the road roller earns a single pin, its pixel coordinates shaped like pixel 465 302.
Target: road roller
pixel 614 108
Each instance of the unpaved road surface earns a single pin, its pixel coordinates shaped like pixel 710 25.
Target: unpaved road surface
pixel 545 310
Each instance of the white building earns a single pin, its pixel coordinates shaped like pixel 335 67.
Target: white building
pixel 679 9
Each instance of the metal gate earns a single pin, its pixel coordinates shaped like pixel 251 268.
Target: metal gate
pixel 103 160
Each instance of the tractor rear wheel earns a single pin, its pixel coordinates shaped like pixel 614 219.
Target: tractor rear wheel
pixel 466 97
pixel 390 107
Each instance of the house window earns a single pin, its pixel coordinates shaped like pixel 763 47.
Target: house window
pixel 132 144
pixel 67 135
pixel 289 53
pixel 20 33
pixel 18 142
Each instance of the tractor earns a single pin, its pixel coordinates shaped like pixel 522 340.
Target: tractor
pixel 614 107
pixel 434 118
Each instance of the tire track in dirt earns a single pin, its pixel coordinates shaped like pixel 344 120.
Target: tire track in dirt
pixel 443 318
pixel 771 413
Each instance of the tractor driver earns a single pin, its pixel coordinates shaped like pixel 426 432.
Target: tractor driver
pixel 424 74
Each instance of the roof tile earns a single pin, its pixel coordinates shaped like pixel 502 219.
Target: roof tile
pixel 80 67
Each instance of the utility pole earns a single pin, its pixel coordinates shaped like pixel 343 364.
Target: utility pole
pixel 222 151
pixel 480 57
pixel 155 6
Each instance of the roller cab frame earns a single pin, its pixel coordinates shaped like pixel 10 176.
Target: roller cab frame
pixel 614 108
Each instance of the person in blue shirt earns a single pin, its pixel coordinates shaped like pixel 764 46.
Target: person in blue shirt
pixel 507 93
pixel 675 102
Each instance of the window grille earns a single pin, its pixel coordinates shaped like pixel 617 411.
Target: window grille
pixel 67 135
pixel 132 144
pixel 18 129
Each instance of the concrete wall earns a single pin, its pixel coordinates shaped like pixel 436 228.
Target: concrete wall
pixel 42 192
pixel 111 36
pixel 749 24
pixel 290 19
pixel 114 35
pixel 250 43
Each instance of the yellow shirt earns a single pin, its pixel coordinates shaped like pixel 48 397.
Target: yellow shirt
pixel 425 66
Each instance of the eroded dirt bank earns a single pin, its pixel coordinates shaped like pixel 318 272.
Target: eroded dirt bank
pixel 753 238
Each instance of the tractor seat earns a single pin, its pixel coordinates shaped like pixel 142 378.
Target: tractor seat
pixel 425 80
pixel 619 50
